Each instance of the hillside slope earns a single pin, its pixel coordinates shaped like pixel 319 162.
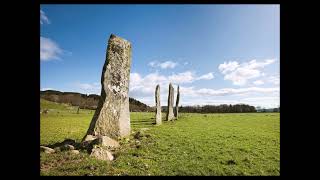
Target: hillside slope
pixel 87 101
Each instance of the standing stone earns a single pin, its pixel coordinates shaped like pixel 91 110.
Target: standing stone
pixel 177 103
pixel 112 117
pixel 170 115
pixel 158 106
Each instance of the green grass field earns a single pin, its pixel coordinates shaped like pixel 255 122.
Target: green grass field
pixel 196 144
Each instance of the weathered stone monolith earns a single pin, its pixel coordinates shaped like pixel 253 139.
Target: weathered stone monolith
pixel 177 103
pixel 112 116
pixel 158 106
pixel 170 115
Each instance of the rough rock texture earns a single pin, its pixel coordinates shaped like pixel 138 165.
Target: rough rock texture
pixel 46 149
pixel 177 104
pixel 106 141
pixel 158 106
pixel 112 117
pixel 74 151
pixel 90 138
pixel 102 154
pixel 170 115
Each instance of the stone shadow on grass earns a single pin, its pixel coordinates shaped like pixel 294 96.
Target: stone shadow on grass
pixel 61 146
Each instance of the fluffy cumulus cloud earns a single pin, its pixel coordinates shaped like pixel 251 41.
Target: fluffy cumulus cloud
pixel 184 77
pixel 49 50
pixel 143 89
pixel 189 77
pixel 228 67
pixel 163 65
pixel 43 18
pixel 145 86
pixel 239 74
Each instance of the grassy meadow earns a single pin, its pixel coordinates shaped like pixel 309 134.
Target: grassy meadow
pixel 195 144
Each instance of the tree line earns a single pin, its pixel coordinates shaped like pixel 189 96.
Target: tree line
pixel 223 108
pixel 84 101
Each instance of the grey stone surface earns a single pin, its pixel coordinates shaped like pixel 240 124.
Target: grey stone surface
pixel 89 138
pixel 170 115
pixel 46 149
pixel 158 106
pixel 101 154
pixel 112 117
pixel 74 151
pixel 177 104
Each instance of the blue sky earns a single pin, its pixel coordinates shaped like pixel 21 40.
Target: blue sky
pixel 218 54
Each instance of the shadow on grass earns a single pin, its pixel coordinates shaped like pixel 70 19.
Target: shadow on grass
pixel 143 123
pixel 76 145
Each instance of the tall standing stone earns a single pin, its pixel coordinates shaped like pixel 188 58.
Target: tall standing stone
pixel 177 103
pixel 158 106
pixel 170 115
pixel 112 116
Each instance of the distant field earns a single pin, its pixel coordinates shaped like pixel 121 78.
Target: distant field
pixel 196 144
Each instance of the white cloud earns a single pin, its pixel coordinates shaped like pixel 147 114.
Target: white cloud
pixel 45 89
pixel 264 97
pixel 145 86
pixel 260 98
pixel 163 65
pixel 49 50
pixel 143 89
pixel 239 74
pixel 168 64
pixel 274 79
pixel 206 76
pixel 185 63
pixel 153 63
pixel 184 77
pixel 88 88
pixel 258 82
pixel 265 102
pixel 188 77
pixel 228 67
pixel 43 18
pixel 227 91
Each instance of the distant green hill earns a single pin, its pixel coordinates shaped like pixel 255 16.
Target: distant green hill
pixel 87 101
